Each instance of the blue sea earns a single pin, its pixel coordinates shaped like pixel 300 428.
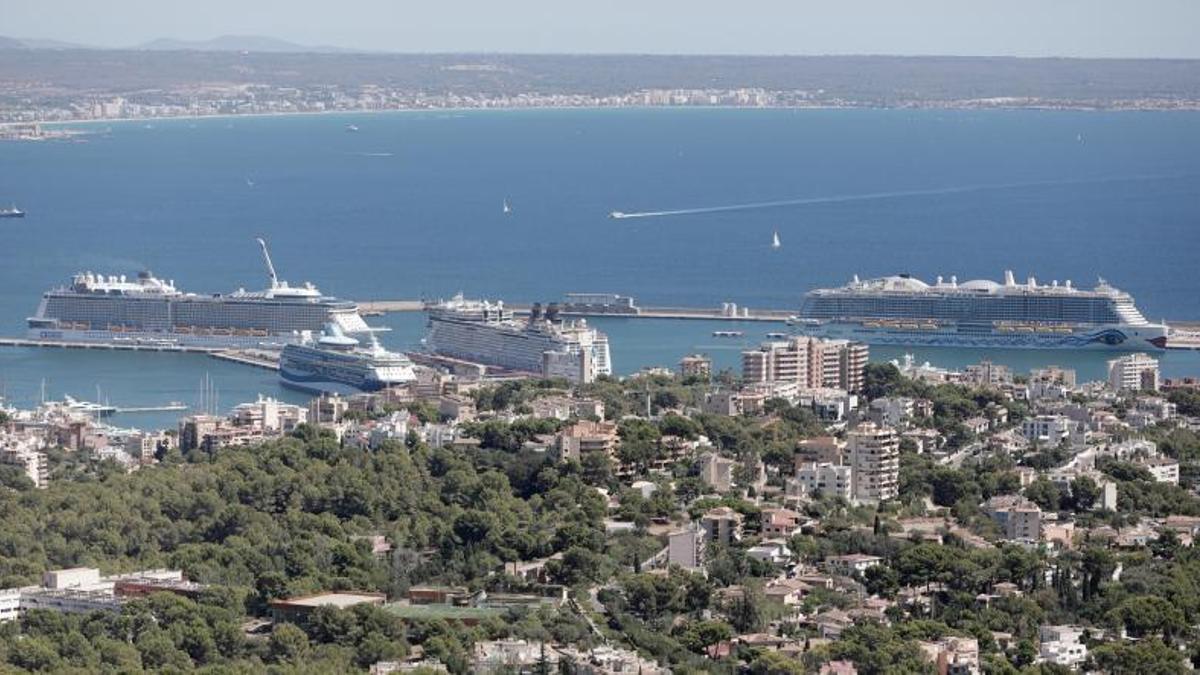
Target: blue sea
pixel 410 207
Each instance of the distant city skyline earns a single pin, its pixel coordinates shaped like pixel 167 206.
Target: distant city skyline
pixel 1030 28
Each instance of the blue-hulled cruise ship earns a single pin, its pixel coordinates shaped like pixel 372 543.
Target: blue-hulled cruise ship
pixel 336 363
pixel 902 310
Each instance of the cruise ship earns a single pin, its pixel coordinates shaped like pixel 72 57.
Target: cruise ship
pixel 487 333
pixel 902 310
pixel 146 310
pixel 336 363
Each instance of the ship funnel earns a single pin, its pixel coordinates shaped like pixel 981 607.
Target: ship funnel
pixel 552 312
pixel 535 312
pixel 954 280
pixel 939 280
pixel 267 259
pixel 1008 278
pixel 1068 283
pixel 1032 282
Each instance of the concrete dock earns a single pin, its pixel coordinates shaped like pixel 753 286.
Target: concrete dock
pixel 258 358
pixel 376 307
pixel 249 357
pixel 111 346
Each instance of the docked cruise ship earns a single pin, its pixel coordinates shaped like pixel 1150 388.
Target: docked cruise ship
pixel 487 333
pixel 902 310
pixel 336 363
pixel 146 310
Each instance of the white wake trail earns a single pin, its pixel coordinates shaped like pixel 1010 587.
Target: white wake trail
pixel 870 196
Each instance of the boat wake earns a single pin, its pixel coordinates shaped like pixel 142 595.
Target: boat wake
pixel 375 154
pixel 872 196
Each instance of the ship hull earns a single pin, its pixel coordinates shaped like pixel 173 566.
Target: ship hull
pixel 502 347
pixel 316 384
pixel 1113 337
pixel 317 371
pixel 161 339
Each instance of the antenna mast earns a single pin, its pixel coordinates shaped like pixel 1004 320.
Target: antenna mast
pixel 270 267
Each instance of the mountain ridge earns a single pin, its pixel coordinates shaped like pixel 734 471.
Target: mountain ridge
pixel 222 43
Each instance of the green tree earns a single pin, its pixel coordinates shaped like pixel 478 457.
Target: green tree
pixel 1148 616
pixel 774 663
pixel 1045 494
pixel 1149 657
pixel 1084 493
pixel 287 644
pixel 34 653
pixel 699 635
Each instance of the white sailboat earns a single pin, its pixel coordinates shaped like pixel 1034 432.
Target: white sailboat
pixel 775 243
pixel 507 206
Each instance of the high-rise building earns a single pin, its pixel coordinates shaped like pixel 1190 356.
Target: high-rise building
pixel 777 361
pixel 812 363
pixel 1133 372
pixel 842 363
pixel 875 463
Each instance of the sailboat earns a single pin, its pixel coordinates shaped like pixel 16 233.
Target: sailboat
pixel 775 243
pixel 507 207
pixel 11 212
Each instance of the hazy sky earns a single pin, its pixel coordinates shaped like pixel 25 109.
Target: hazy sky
pixel 1093 28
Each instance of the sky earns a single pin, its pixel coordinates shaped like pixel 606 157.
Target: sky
pixel 1074 28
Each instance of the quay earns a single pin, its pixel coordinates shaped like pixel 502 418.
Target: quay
pixel 249 357
pixel 170 407
pixel 258 358
pixel 133 347
pixel 377 307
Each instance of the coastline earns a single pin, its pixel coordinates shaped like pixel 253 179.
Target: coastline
pixel 1189 106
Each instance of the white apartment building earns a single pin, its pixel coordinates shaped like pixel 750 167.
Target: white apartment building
pixel 1164 469
pixel 875 463
pixel 1062 645
pixel 270 415
pixel 1046 429
pixel 825 479
pixel 1133 372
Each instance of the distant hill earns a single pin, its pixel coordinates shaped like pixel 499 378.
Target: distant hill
pixel 36 43
pixel 236 43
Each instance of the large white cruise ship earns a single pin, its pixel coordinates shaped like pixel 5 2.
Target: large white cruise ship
pixel 486 333
pixel 149 310
pixel 336 363
pixel 902 310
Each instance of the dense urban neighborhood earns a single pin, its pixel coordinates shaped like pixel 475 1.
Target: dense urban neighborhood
pixel 814 513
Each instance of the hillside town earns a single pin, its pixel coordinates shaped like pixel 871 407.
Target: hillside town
pixel 814 513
